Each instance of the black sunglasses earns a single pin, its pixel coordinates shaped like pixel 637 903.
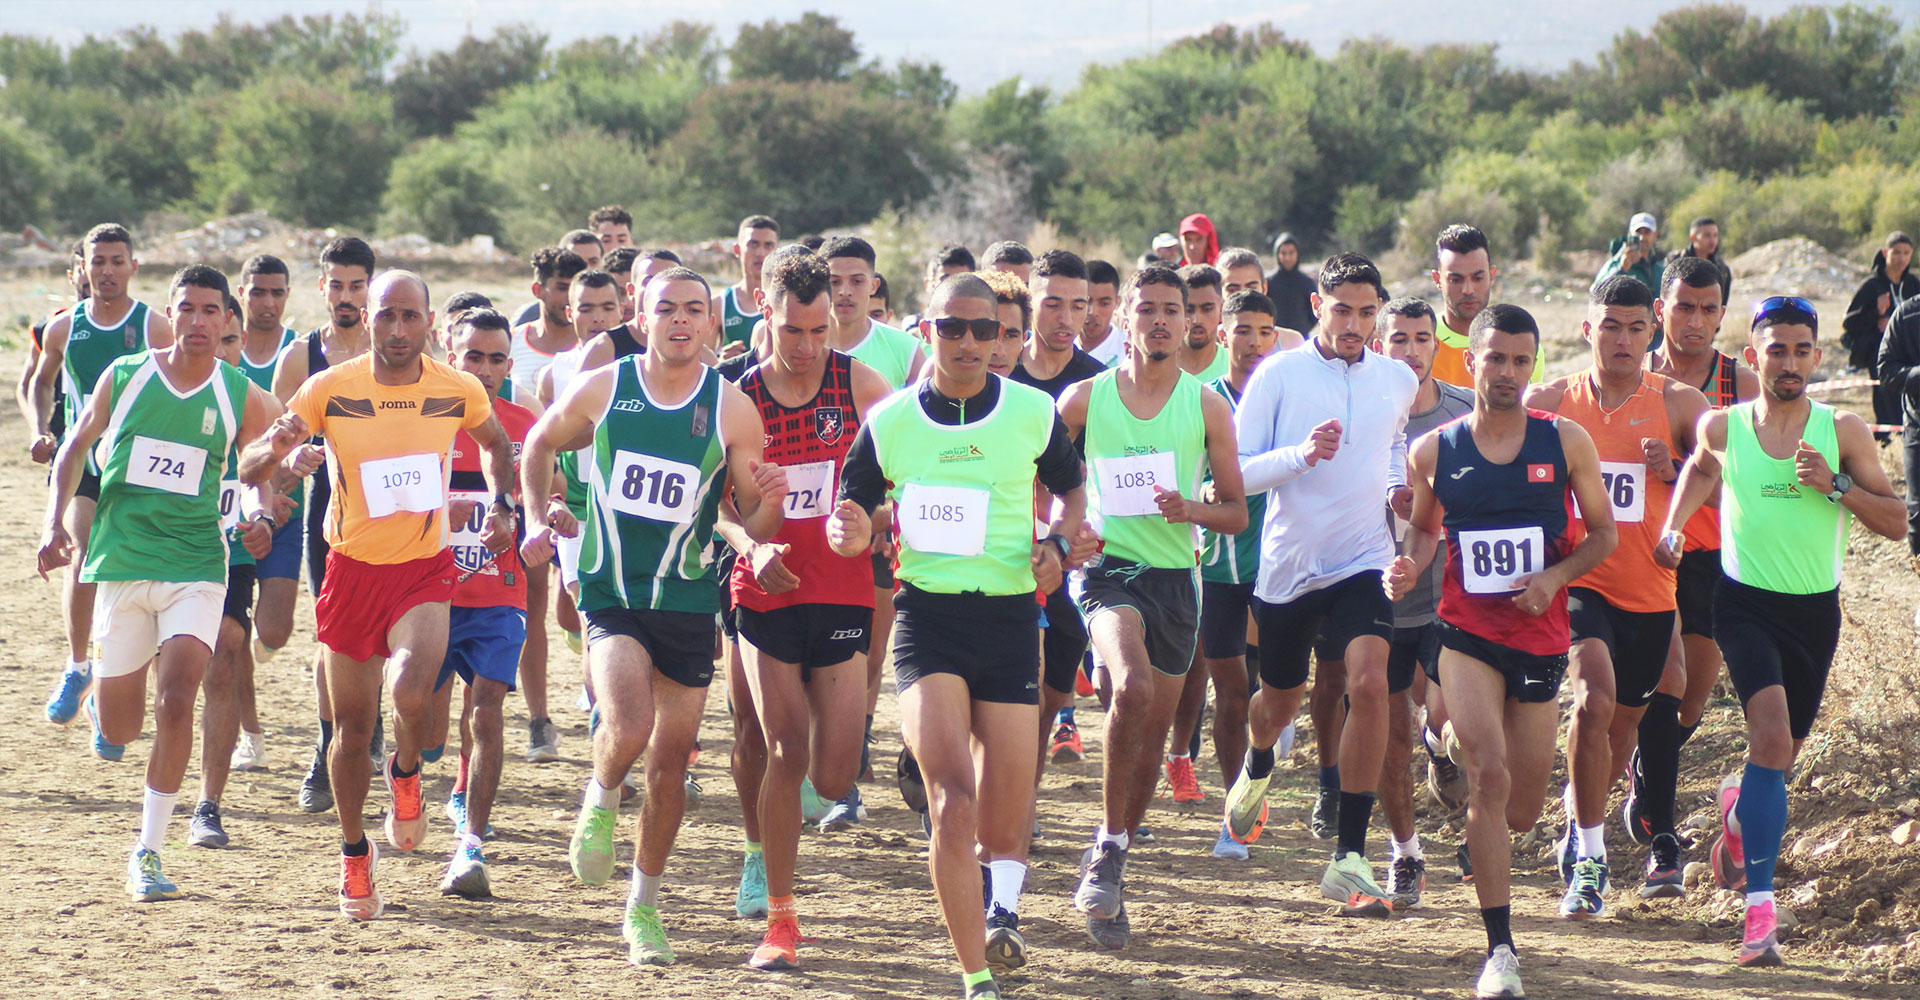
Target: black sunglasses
pixel 1766 308
pixel 952 328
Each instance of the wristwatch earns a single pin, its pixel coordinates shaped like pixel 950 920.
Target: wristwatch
pixel 504 500
pixel 1841 484
pixel 1060 542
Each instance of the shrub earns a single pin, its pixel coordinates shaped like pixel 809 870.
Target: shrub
pixel 442 190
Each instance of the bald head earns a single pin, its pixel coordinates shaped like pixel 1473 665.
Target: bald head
pixel 959 286
pixel 395 277
pixel 401 319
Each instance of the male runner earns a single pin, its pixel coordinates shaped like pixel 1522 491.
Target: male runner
pixel 1622 611
pixel 1464 273
pixel 1099 337
pixel 667 437
pixel 1010 256
pixel 802 611
pixel 1498 482
pixel 734 308
pixel 959 455
pixel 880 302
pixel 613 224
pixel 389 420
pixel 1792 475
pixel 346 268
pixel 74 350
pixel 1240 271
pixel 1322 427
pixel 618 263
pixel 1150 432
pixel 164 420
pixel 951 258
pixel 1689 312
pixel 582 244
pixel 42 450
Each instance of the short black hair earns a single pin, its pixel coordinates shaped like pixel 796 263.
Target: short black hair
pixel 1248 301
pixel 1786 314
pixel 460 302
pixel 1694 226
pixel 616 214
pixel 1460 238
pixel 1623 290
pixel 1156 274
pixel 620 261
pixel 812 242
pixel 795 271
pixel 848 246
pixel 657 253
pixel 966 285
pixel 1008 252
pixel 1408 306
pixel 950 255
pixel 575 237
pixel 552 262
pixel 482 318
pixel 757 222
pixel 233 305
pixel 1350 268
pixel 1233 257
pixel 1200 276
pixel 1694 272
pixel 678 273
pixel 1058 264
pixel 1506 318
pixel 881 291
pixel 1099 272
pixel 348 251
pixel 108 232
pixel 195 276
pixel 594 277
pixel 263 263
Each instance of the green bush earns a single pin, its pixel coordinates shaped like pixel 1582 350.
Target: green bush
pixel 25 171
pixel 1524 204
pixel 548 187
pixel 312 152
pixel 442 190
pixel 1646 180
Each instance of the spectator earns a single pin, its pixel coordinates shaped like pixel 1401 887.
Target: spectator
pixel 1199 243
pixel 1635 254
pixel 1289 288
pixel 1703 241
pixel 1890 283
pixel 1899 373
pixel 1166 247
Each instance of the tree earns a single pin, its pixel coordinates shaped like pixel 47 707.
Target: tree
pixel 816 47
pixel 312 151
pixel 25 173
pixel 443 191
pixel 434 92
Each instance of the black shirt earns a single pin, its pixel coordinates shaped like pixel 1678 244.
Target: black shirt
pixel 862 481
pixel 1080 367
pixel 735 368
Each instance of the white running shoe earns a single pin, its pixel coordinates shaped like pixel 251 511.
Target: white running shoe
pixel 1500 977
pixel 250 753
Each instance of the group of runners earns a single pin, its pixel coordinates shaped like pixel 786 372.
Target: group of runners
pixel 1053 483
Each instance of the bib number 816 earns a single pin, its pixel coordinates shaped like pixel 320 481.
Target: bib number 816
pixel 665 489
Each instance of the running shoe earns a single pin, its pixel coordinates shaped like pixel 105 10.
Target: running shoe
pixel 1247 806
pixel 1567 847
pixel 543 741
pixel 751 899
pixel 906 776
pixel 407 816
pixel 457 815
pixel 1103 873
pixel 987 990
pixel 263 653
pixel 1446 782
pixel 250 754
pixel 813 808
pixel 377 746
pixel 316 789
pixel 1006 947
pixel 102 747
pixel 1185 784
pixel 646 939
pixel 1450 742
pixel 1760 945
pixel 64 703
pixel 574 643
pixel 1500 977
pixel 846 813
pixel 1664 875
pixel 204 830
pixel 1141 835
pixel 1728 856
pixel 1586 898
pixel 1347 875
pixel 1405 881
pixel 693 791
pixel 146 883
pixel 467 872
pixel 1465 858
pixel 1111 933
pixel 1082 683
pixel 590 853
pixel 359 899
pixel 432 755
pixel 1066 747
pixel 779 949
pixel 1633 813
pixel 1325 821
pixel 1227 847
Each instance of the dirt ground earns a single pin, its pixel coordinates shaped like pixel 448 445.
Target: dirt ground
pixel 259 918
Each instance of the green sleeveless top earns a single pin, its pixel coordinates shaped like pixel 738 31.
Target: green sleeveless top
pixel 1776 534
pixel 736 324
pixel 1216 369
pixel 964 492
pixel 655 475
pixel 262 375
pixel 1233 558
pixel 1127 457
pixel 91 348
pixel 162 458
pixel 889 351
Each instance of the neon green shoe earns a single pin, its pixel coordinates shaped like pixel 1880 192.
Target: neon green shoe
pixel 646 938
pixel 813 808
pixel 1247 806
pixel 591 852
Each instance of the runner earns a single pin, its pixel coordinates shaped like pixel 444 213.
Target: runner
pixel 1793 474
pixel 1142 602
pixel 802 611
pixel 1013 307
pixel 41 449
pixel 1691 315
pixel 1099 337
pixel 1240 271
pixel 74 350
pixel 613 224
pixel 1622 612
pixel 1464 273
pixel 1009 256
pixel 158 557
pixel 647 591
pixel 582 244
pixel 619 263
pixel 1498 483
pixel 959 454
pixel 880 303
pixel 734 308
pixel 1323 546
pixel 389 421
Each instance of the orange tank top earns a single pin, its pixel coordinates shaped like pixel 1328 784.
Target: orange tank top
pixel 1629 578
pixel 1722 390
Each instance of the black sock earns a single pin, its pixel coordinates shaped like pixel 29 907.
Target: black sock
pixel 1499 921
pixel 1356 811
pixel 1330 778
pixel 986 887
pixel 1660 739
pixel 1193 744
pixel 1259 762
pixel 326 734
pixel 1253 669
pixel 356 850
pixel 398 773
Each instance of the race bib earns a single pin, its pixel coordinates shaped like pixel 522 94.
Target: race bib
pixel 229 504
pixel 1492 561
pixel 809 490
pixel 1625 483
pixel 947 519
pixel 1127 484
pixel 657 489
pixel 166 465
pixel 463 536
pixel 409 483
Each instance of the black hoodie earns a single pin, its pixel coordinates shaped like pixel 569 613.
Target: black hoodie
pixel 1291 291
pixel 1860 330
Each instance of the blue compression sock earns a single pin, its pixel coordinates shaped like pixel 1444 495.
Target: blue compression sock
pixel 1762 810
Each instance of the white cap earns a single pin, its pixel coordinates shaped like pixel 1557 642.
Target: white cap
pixel 1165 240
pixel 1644 220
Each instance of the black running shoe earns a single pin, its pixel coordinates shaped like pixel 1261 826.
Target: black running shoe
pixel 1326 814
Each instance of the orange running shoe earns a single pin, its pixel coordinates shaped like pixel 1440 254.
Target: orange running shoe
pixel 1082 684
pixel 779 950
pixel 1186 785
pixel 358 897
pixel 1066 748
pixel 407 817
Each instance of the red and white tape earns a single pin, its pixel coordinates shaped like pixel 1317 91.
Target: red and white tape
pixel 1837 384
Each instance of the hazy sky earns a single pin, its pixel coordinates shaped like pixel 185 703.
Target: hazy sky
pixel 979 42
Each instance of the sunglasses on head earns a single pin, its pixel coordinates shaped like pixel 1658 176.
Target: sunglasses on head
pixel 1773 305
pixel 953 328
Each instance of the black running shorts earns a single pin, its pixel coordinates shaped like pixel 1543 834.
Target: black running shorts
pixel 1693 589
pixel 1531 678
pixel 1342 612
pixel 680 643
pixel 1769 638
pixel 1167 601
pixel 1064 642
pixel 991 643
pixel 1637 642
pixel 811 635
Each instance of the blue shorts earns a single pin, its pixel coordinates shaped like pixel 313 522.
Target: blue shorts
pixel 283 560
pixel 484 641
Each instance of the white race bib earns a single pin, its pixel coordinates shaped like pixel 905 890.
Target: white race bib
pixel 409 483
pixel 166 465
pixel 1127 484
pixel 945 519
pixel 809 490
pixel 467 532
pixel 1494 559
pixel 657 489
pixel 229 504
pixel 1625 483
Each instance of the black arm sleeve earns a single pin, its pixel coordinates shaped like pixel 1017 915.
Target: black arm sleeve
pixel 1059 466
pixel 860 478
pixel 1898 367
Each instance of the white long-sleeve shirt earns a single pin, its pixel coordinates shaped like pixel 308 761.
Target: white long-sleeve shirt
pixel 1323 522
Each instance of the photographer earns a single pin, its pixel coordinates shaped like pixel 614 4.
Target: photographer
pixel 1635 254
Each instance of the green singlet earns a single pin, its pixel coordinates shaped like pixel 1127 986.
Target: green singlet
pixel 736 324
pixel 889 351
pixel 91 348
pixel 1776 534
pixel 1234 558
pixel 1128 457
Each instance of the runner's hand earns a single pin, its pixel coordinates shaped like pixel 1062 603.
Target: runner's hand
pixel 1086 545
pixel 1174 507
pixel 1322 443
pixel 1659 457
pixel 1534 597
pixel 1810 467
pixel 847 527
pixel 56 549
pixel 287 431
pixel 1666 554
pixel 43 449
pixel 732 349
pixel 771 480
pixel 256 538
pixel 769 571
pixel 1400 498
pixel 1046 567
pixel 1400 578
pixel 497 534
pixel 281 508
pixel 305 460
pixel 460 511
pixel 560 518
pixel 538 548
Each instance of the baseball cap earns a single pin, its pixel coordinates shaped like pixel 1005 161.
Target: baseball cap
pixel 1644 220
pixel 1165 240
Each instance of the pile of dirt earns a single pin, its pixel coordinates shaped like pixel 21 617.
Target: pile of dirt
pixel 228 241
pixel 1795 266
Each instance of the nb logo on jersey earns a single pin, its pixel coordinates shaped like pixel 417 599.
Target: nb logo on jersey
pixel 75 336
pixel 1461 472
pixel 628 406
pixel 846 633
pixel 399 404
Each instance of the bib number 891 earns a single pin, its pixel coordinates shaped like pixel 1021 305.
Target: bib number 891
pixel 1502 557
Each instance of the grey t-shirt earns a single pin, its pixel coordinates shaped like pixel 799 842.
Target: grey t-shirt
pixel 1419 606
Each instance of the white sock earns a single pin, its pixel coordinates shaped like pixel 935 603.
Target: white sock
pixel 1435 747
pixel 1176 756
pixel 1103 836
pixel 1756 898
pixel 1009 877
pixel 1593 843
pixel 604 798
pixel 645 890
pixel 156 812
pixel 1409 848
pixel 80 666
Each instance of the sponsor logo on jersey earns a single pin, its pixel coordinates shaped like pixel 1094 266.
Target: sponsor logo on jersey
pixel 207 421
pixel 702 414
pixel 399 404
pixel 962 453
pixel 341 406
pixel 628 406
pixel 828 423
pixel 1139 449
pixel 444 406
pixel 1780 491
